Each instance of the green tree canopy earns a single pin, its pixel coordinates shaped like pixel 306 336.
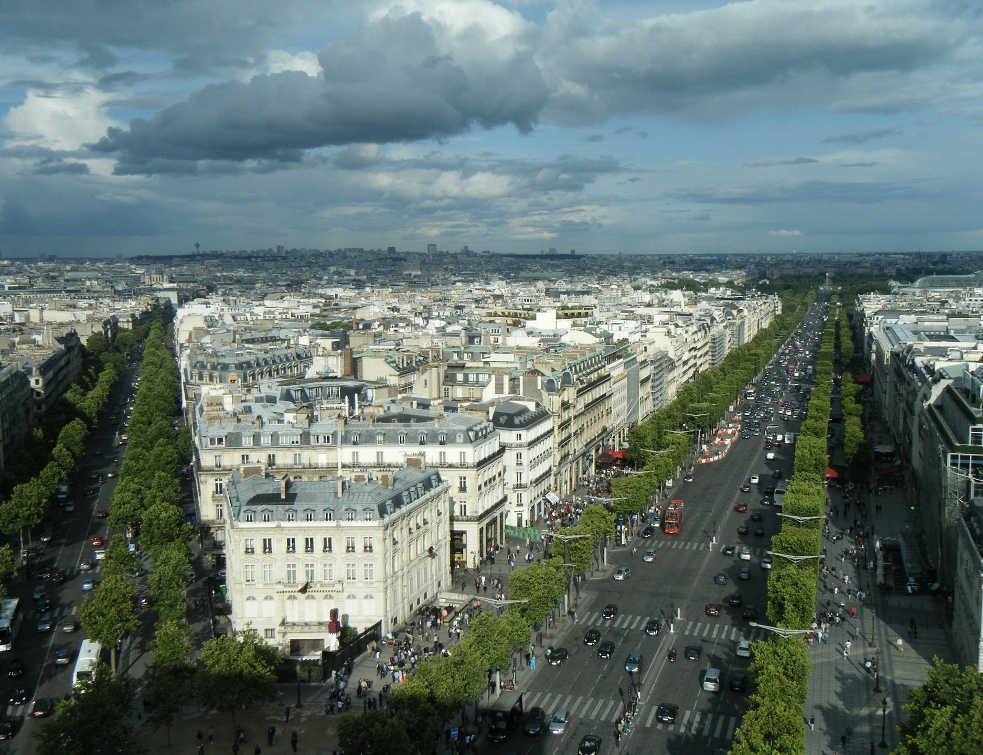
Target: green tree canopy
pixel 234 672
pixel 945 714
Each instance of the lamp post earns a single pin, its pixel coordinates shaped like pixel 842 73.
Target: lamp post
pixel 877 675
pixel 883 723
pixel 790 557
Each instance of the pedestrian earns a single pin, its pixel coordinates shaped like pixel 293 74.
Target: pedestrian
pixel 293 741
pixel 270 735
pixel 812 723
pixel 201 749
pixel 286 714
pixel 900 644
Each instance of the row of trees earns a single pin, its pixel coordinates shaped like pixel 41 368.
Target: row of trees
pixel 774 721
pixel 664 440
pixel 442 687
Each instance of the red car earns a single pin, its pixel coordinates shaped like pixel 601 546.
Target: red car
pixel 97 542
pixel 740 508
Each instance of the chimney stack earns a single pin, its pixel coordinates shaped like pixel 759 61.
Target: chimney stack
pixel 284 486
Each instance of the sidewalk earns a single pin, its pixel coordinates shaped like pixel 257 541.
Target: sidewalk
pixel 842 695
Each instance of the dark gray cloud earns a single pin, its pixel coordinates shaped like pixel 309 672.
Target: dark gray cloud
pixel 782 161
pixel 862 164
pixel 414 89
pixel 594 138
pixel 862 137
pixel 120 79
pixel 55 167
pixel 72 211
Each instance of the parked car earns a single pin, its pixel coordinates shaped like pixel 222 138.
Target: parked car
pixel 728 550
pixel 535 722
pixel 63 656
pixel 711 680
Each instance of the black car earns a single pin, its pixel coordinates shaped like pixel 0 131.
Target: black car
pixel 749 614
pixel 759 532
pixel 43 604
pixel 63 656
pixel 7 729
pixel 609 612
pixel 756 516
pixel 648 532
pixel 498 727
pixel 728 550
pixel 743 529
pixel 556 656
pixel 666 713
pixel 738 681
pixel 16 668
pixel 18 697
pixel 535 722
pixel 592 637
pixel 652 627
pixel 589 745
pixel 693 652
pixel 605 649
pixel 720 579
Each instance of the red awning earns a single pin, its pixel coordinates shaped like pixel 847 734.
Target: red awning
pixel 832 474
pixel 618 454
pixel 863 378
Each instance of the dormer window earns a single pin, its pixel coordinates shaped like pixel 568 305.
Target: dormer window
pixel 354 439
pixel 267 516
pixel 401 438
pixel 248 516
pixel 291 515
pixel 441 438
pixel 368 515
pixel 423 439
pixel 349 515
pixel 329 515
pixel 309 515
pixel 460 437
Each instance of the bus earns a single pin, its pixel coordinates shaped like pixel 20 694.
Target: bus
pixel 672 517
pixel 11 617
pixel 85 664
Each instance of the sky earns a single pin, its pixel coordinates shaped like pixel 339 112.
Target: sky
pixel 683 126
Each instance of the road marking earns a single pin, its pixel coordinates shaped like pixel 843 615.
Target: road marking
pixel 533 696
pixel 592 617
pixel 542 702
pixel 689 628
pixel 648 721
pixel 707 725
pixel 686 715
pixel 575 708
pixel 610 711
pixel 716 631
pixel 565 705
pixel 731 725
pixel 594 714
pixel 615 713
pixel 721 720
pixel 637 622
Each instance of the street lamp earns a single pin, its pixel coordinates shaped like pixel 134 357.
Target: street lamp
pixel 790 557
pixel 799 518
pixel 883 723
pixel 781 631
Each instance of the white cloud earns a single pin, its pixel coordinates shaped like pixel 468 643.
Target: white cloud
pixel 785 232
pixel 63 121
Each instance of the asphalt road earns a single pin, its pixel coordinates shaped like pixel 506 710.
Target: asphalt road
pixel 70 545
pixel 677 585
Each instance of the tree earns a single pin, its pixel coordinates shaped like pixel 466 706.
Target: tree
pixel 171 647
pixel 96 722
pixel 375 733
pixel 235 673
pixel 169 579
pixel 165 691
pixel 945 714
pixel 7 567
pixel 161 525
pixel 109 612
pixel 541 585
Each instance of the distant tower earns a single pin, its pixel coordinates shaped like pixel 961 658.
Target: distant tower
pixel 197 248
pixel 431 249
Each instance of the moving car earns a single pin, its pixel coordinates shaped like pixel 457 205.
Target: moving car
pixel 63 656
pixel 45 623
pixel 741 508
pixel 720 579
pixel 766 562
pixel 7 729
pixel 42 707
pixel 605 649
pixel 756 516
pixel 711 680
pixel 712 609
pixel 693 652
pixel 648 532
pixel 535 722
pixel 592 637
pixel 649 556
pixel 589 745
pixel 609 612
pixel 746 488
pixel 498 728
pixel 621 574
pixel 738 681
pixel 745 554
pixel 754 479
pixel 556 656
pixel 666 713
pixel 70 624
pixel 88 585
pixel 652 627
pixel 743 529
pixel 743 649
pixel 558 724
pixel 633 663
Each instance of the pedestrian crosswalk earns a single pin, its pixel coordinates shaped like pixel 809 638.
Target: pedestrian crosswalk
pixel 674 543
pixel 707 725
pixel 706 630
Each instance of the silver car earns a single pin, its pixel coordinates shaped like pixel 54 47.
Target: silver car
pixel 558 724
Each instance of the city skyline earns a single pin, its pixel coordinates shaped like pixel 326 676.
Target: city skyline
pixel 697 127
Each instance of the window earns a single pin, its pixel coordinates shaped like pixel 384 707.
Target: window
pixel 380 439
pixel 291 574
pixel 219 512
pixel 219 486
pixel 267 545
pixel 350 571
pixel 462 509
pixel 354 439
pixel 367 544
pixel 441 438
pixel 329 516
pixel 423 439
pixel 328 571
pixel 401 438
pixel 298 460
pixel 976 436
pixel 349 545
pixel 349 515
pixel 368 515
pixel 518 498
pixel 247 440
pixel 518 436
pixel 442 457
pixel 249 574
pixel 518 457
pixel 269 634
pixel 518 478
pixel 291 515
pixel 267 516
pixel 326 545
pixel 244 458
pixel 248 516
pixel 291 545
pixel 354 457
pixel 380 457
pixel 271 460
pixel 462 484
pixel 308 545
pixel 267 574
pixel 218 462
pixel 462 457
pixel 249 545
pixel 368 572
pixel 309 515
pixel 309 572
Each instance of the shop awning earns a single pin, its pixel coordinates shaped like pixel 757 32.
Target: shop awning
pixel 832 474
pixel 551 498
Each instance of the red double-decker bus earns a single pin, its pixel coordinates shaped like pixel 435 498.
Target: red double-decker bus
pixel 672 517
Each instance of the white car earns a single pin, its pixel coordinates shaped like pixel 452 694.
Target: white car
pixel 622 573
pixel 558 724
pixel 649 556
pixel 766 562
pixel 745 554
pixel 743 649
pixel 770 456
pixel 755 479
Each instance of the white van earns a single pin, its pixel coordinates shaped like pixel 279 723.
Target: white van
pixel 711 680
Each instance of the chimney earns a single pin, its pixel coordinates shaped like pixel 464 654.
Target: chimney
pixel 341 432
pixel 386 480
pixel 284 486
pixel 341 488
pixel 415 461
